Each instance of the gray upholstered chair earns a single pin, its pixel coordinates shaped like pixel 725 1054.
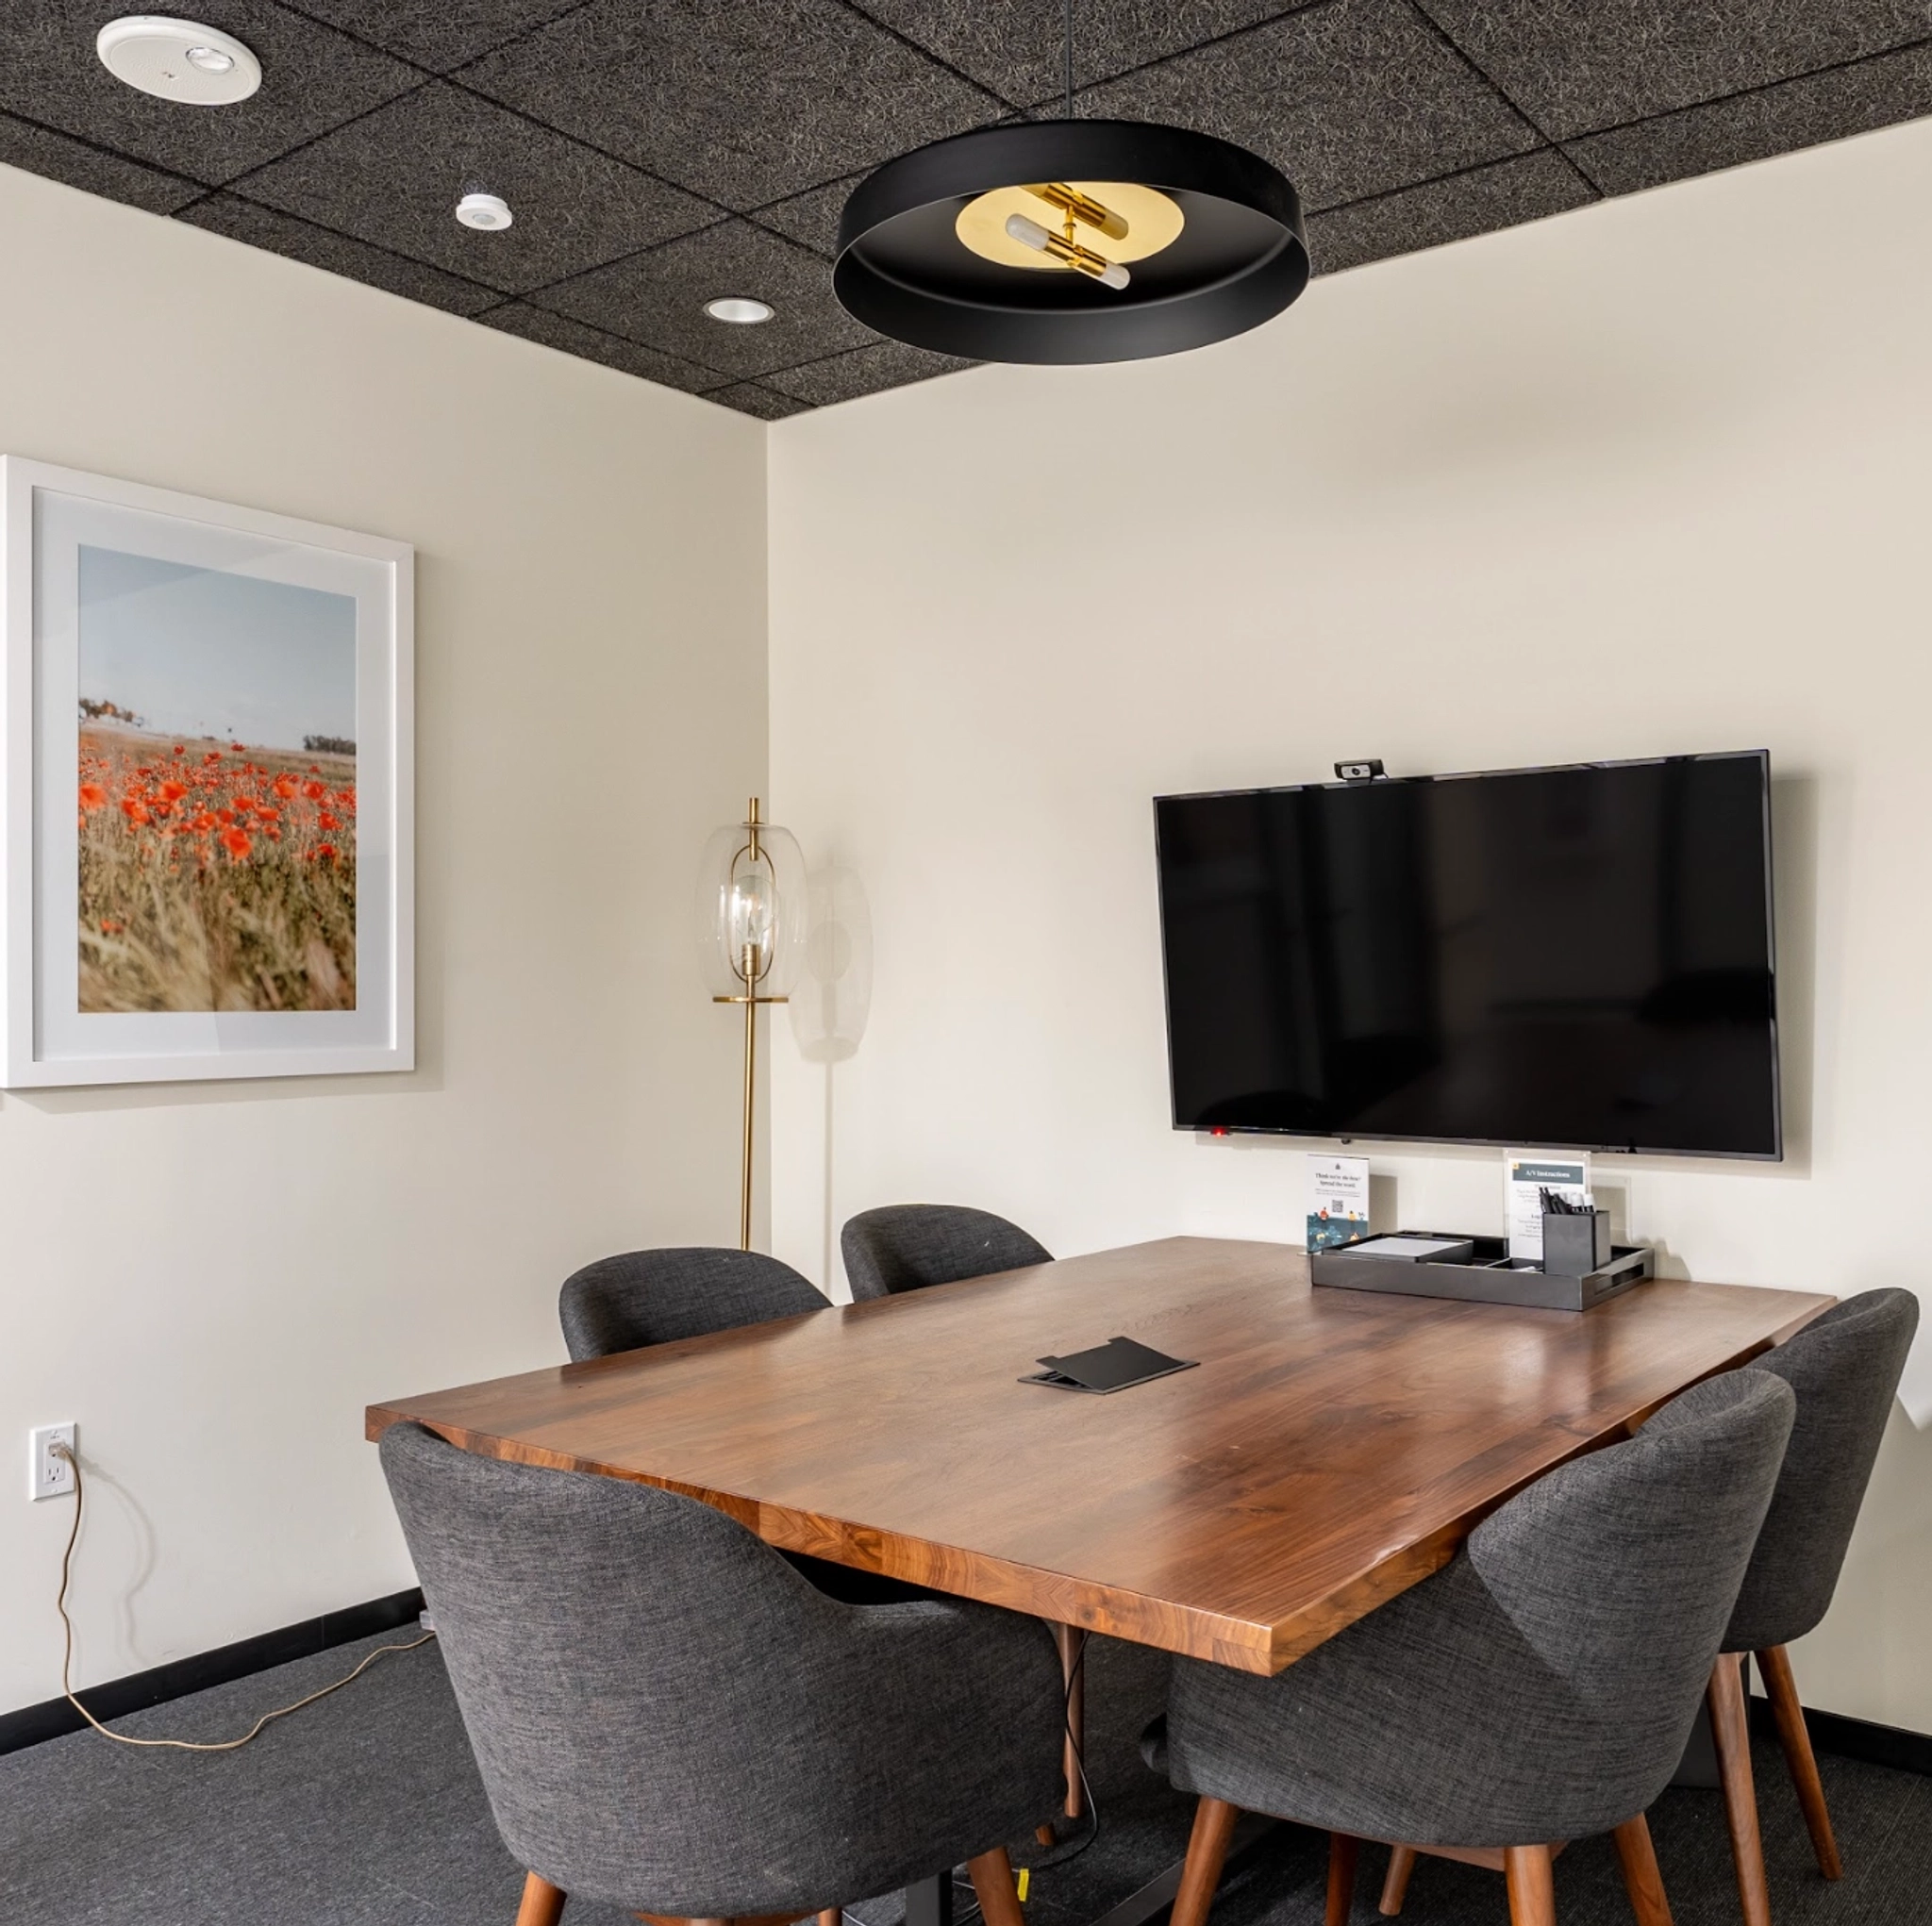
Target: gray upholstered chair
pixel 653 1297
pixel 902 1247
pixel 1538 1690
pixel 656 1297
pixel 908 1246
pixel 668 1718
pixel 1844 1367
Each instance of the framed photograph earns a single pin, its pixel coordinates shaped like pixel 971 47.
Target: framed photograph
pixel 205 813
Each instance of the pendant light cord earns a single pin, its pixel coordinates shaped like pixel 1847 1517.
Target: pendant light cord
pixel 1068 48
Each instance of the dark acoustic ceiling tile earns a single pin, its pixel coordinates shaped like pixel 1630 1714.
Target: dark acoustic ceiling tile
pixel 748 103
pixel 313 78
pixel 594 344
pixel 1016 47
pixel 749 398
pixel 811 219
pixel 1753 126
pixel 1350 99
pixel 337 254
pixel 658 299
pixel 1479 201
pixel 394 178
pixel 438 34
pixel 41 150
pixel 863 371
pixel 1576 69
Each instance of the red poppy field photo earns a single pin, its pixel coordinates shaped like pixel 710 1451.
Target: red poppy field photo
pixel 215 877
pixel 217 865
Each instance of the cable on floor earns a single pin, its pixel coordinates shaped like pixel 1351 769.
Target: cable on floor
pixel 183 1745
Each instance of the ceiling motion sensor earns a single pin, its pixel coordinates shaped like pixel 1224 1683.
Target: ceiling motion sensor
pixel 178 59
pixel 487 213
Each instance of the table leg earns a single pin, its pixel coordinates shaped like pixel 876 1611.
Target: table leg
pixel 1072 1644
pixel 930 1902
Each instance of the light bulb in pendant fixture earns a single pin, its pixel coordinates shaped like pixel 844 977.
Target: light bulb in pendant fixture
pixel 1067 251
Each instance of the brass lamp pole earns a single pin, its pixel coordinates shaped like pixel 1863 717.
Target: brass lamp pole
pixel 753 909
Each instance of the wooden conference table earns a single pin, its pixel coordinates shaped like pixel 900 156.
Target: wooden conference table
pixel 1333 1447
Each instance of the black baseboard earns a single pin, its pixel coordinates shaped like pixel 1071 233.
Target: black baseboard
pixel 54 1718
pixel 1831 1731
pixel 1854 1738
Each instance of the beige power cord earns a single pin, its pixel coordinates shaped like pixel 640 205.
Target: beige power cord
pixel 182 1744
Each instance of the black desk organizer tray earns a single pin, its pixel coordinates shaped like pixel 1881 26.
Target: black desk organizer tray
pixel 1486 1276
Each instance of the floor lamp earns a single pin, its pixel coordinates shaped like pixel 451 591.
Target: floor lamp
pixel 752 918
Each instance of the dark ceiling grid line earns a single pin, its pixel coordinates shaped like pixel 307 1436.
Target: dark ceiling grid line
pixel 1671 114
pixel 536 120
pixel 1442 33
pixel 523 33
pixel 856 22
pixel 1578 168
pixel 722 379
pixel 202 189
pixel 928 54
pixel 1433 180
pixel 724 219
pixel 1736 93
pixel 765 226
pixel 498 298
pixel 302 146
pixel 1188 52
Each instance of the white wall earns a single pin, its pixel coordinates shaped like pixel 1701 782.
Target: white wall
pixel 214 1279
pixel 1649 477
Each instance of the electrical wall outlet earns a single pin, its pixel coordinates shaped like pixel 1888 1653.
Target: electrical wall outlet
pixel 49 1475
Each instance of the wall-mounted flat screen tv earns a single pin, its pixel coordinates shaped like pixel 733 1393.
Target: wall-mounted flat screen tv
pixel 1576 956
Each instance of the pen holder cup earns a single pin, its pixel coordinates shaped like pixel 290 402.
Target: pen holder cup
pixel 1575 1243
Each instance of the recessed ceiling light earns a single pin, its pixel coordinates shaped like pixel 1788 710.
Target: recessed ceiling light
pixel 178 59
pixel 489 212
pixel 739 307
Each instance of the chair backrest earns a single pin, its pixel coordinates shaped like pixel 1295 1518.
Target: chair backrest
pixel 634 1671
pixel 1845 1367
pixel 652 1297
pixel 1605 1592
pixel 908 1246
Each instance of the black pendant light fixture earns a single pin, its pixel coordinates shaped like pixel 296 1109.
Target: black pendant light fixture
pixel 1071 241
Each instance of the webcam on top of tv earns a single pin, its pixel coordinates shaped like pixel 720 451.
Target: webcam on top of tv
pixel 1367 772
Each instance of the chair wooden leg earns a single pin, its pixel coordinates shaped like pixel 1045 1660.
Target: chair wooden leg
pixel 1532 1886
pixel 1345 1850
pixel 542 1903
pixel 1073 1642
pixel 1774 1665
pixel 992 1883
pixel 831 1916
pixel 1730 1733
pixel 1207 1844
pixel 1395 1888
pixel 1641 1879
pixel 1044 1834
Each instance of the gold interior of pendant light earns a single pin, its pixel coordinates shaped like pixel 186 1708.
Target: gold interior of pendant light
pixel 1129 221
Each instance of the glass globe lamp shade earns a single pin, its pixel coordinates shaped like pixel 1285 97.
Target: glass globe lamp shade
pixel 753 909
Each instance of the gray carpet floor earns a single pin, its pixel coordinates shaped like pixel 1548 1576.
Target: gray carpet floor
pixel 367 1808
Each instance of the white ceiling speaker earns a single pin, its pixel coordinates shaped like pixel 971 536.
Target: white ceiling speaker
pixel 487 211
pixel 178 59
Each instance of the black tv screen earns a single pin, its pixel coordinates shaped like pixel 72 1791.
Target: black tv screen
pixel 1576 956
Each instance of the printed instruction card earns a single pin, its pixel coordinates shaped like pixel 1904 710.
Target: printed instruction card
pixel 1526 1174
pixel 1338 1201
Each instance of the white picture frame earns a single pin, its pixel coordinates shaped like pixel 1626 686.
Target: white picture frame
pixel 253 965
